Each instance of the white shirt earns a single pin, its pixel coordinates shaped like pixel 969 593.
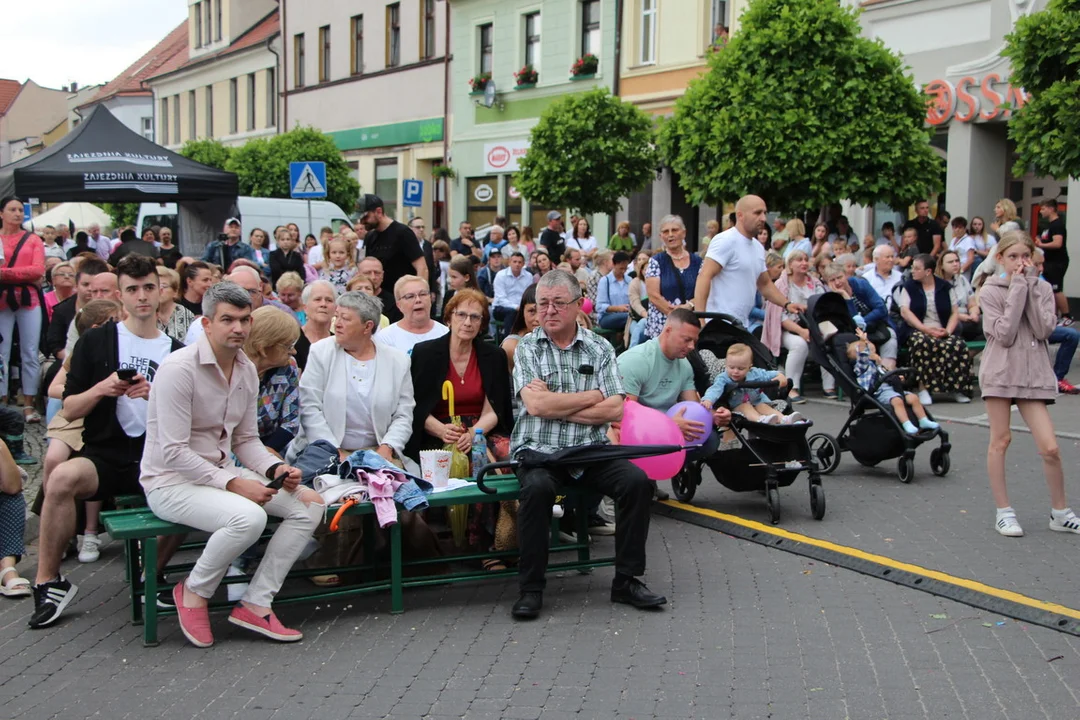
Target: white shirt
pixel 883 286
pixel 583 244
pixel 509 287
pixel 314 255
pixel 359 430
pixel 961 246
pixel 196 330
pixel 802 244
pixel 396 337
pixel 146 357
pixel 742 261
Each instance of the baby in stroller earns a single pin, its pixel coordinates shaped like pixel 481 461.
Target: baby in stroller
pixel 751 403
pixel 868 371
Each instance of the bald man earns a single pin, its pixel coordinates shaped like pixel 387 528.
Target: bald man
pixel 734 267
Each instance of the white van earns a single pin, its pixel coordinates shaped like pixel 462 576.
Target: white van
pixel 265 213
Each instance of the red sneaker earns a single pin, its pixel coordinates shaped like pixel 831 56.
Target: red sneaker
pixel 1067 388
pixel 269 626
pixel 194 622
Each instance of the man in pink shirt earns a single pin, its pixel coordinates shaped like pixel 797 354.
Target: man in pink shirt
pixel 201 413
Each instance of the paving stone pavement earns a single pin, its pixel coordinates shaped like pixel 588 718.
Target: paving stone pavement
pixel 749 632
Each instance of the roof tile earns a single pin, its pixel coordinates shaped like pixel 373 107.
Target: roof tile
pixel 132 80
pixel 258 33
pixel 8 90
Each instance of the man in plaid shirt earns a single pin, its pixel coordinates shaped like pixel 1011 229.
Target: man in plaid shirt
pixel 570 391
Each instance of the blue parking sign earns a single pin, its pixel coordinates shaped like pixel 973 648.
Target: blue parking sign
pixel 414 193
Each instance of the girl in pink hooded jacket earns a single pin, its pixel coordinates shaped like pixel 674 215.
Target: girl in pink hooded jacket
pixel 1018 317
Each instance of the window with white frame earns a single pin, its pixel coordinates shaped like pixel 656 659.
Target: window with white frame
pixel 198 24
pixel 251 101
pixel 191 115
pixel 393 35
pixel 217 12
pixel 648 31
pixel 718 18
pixel 356 66
pixel 209 111
pixel 427 46
pixel 271 97
pixel 532 39
pixel 176 119
pixel 148 128
pixel 164 121
pixel 234 110
pixel 324 53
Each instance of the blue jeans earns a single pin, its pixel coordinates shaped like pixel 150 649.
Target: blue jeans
pixel 1068 338
pixel 637 332
pixel 613 320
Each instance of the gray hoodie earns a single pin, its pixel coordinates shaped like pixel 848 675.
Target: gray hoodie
pixel 1018 317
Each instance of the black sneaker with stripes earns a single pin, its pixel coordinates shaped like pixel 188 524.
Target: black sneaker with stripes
pixel 50 599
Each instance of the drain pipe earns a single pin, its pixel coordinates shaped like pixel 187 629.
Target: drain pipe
pixel 284 79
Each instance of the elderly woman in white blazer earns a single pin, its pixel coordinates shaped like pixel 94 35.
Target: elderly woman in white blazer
pixel 354 393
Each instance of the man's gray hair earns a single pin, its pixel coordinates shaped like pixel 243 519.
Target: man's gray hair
pixel 560 279
pixel 368 308
pixel 226 292
pixel 496 228
pixel 305 296
pixel 881 250
pixel 672 219
pixel 848 258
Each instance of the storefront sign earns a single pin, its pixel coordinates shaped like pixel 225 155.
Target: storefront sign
pixel 503 157
pixel 972 100
pixel 513 192
pixel 402 133
pixel 483 193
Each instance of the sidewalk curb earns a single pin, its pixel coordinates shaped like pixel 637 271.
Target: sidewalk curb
pixel 974 421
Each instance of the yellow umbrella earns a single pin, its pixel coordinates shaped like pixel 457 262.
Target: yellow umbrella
pixel 459 468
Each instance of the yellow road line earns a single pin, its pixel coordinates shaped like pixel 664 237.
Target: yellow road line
pixel 973 585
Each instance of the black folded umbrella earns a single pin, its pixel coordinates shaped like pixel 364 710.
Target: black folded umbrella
pixel 575 456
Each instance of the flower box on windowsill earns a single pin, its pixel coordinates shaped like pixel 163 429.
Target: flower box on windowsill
pixel 525 86
pixel 582 76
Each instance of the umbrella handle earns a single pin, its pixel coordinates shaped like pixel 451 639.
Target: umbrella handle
pixel 448 395
pixel 341 511
pixel 488 468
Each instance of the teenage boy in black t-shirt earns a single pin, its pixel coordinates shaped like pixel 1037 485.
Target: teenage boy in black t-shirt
pixel 112 368
pixel 1056 254
pixel 395 245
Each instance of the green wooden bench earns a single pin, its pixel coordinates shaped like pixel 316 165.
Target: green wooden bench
pixel 139 529
pixel 615 337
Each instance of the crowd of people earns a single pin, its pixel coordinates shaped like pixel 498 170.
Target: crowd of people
pixel 218 385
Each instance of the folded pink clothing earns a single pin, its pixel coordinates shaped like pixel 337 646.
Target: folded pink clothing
pixel 380 486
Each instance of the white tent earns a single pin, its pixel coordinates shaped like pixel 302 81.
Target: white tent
pixel 81 213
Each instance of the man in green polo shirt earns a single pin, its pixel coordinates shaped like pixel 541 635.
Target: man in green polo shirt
pixel 658 375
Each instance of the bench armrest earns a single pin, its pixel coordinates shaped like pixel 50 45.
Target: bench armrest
pixel 491 467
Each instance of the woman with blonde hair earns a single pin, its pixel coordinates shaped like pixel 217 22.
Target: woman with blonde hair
pixel 712 229
pixel 797 240
pixel 271 346
pixel 1018 317
pixel 623 239
pixel 1005 217
pixel 786 329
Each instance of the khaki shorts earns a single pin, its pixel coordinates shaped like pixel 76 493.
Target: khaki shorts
pixel 69 432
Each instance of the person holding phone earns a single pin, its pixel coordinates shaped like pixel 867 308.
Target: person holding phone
pixel 202 413
pixel 1018 318
pixel 114 407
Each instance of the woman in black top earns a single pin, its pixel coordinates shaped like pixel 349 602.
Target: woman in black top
pixel 168 253
pixel 286 258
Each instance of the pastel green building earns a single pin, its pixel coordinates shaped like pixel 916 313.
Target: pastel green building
pixel 501 37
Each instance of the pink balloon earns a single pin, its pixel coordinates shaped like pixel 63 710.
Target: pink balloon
pixel 586 305
pixel 645 426
pixel 697 412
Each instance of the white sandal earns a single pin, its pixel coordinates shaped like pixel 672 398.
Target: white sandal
pixel 17 587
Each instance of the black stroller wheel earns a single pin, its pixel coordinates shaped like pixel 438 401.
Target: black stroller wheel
pixel 772 500
pixel 817 501
pixel 939 462
pixel 684 485
pixel 905 469
pixel 827 451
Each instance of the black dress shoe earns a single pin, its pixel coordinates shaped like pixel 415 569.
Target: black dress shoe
pixel 635 593
pixel 528 605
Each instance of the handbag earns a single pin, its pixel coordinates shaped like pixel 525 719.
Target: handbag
pixel 24 299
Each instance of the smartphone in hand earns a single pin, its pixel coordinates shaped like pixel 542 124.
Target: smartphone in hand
pixel 127 374
pixel 278 482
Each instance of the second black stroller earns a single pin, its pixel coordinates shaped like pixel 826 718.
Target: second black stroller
pixel 763 458
pixel 872 434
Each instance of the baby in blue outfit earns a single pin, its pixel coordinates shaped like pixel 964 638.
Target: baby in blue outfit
pixel 865 359
pixel 751 403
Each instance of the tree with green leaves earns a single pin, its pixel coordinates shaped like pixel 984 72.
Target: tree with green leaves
pixel 802 110
pixel 208 152
pixel 262 165
pixel 1043 51
pixel 123 214
pixel 587 151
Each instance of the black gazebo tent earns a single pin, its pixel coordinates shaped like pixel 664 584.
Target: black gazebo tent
pixel 103 161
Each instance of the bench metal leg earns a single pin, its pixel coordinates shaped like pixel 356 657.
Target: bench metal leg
pixel 150 558
pixel 134 573
pixel 397 603
pixel 581 518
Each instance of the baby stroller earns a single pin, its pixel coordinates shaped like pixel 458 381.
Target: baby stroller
pixel 762 458
pixel 872 434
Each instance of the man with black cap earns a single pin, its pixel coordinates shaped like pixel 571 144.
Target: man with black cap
pixel 228 247
pixel 131 244
pixel 551 238
pixel 395 245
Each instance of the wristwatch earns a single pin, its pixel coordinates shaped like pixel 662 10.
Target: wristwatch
pixel 786 306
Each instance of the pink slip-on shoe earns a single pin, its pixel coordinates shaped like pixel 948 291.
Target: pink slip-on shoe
pixel 269 626
pixel 194 622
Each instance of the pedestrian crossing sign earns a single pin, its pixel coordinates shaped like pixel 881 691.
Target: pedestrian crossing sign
pixel 307 179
